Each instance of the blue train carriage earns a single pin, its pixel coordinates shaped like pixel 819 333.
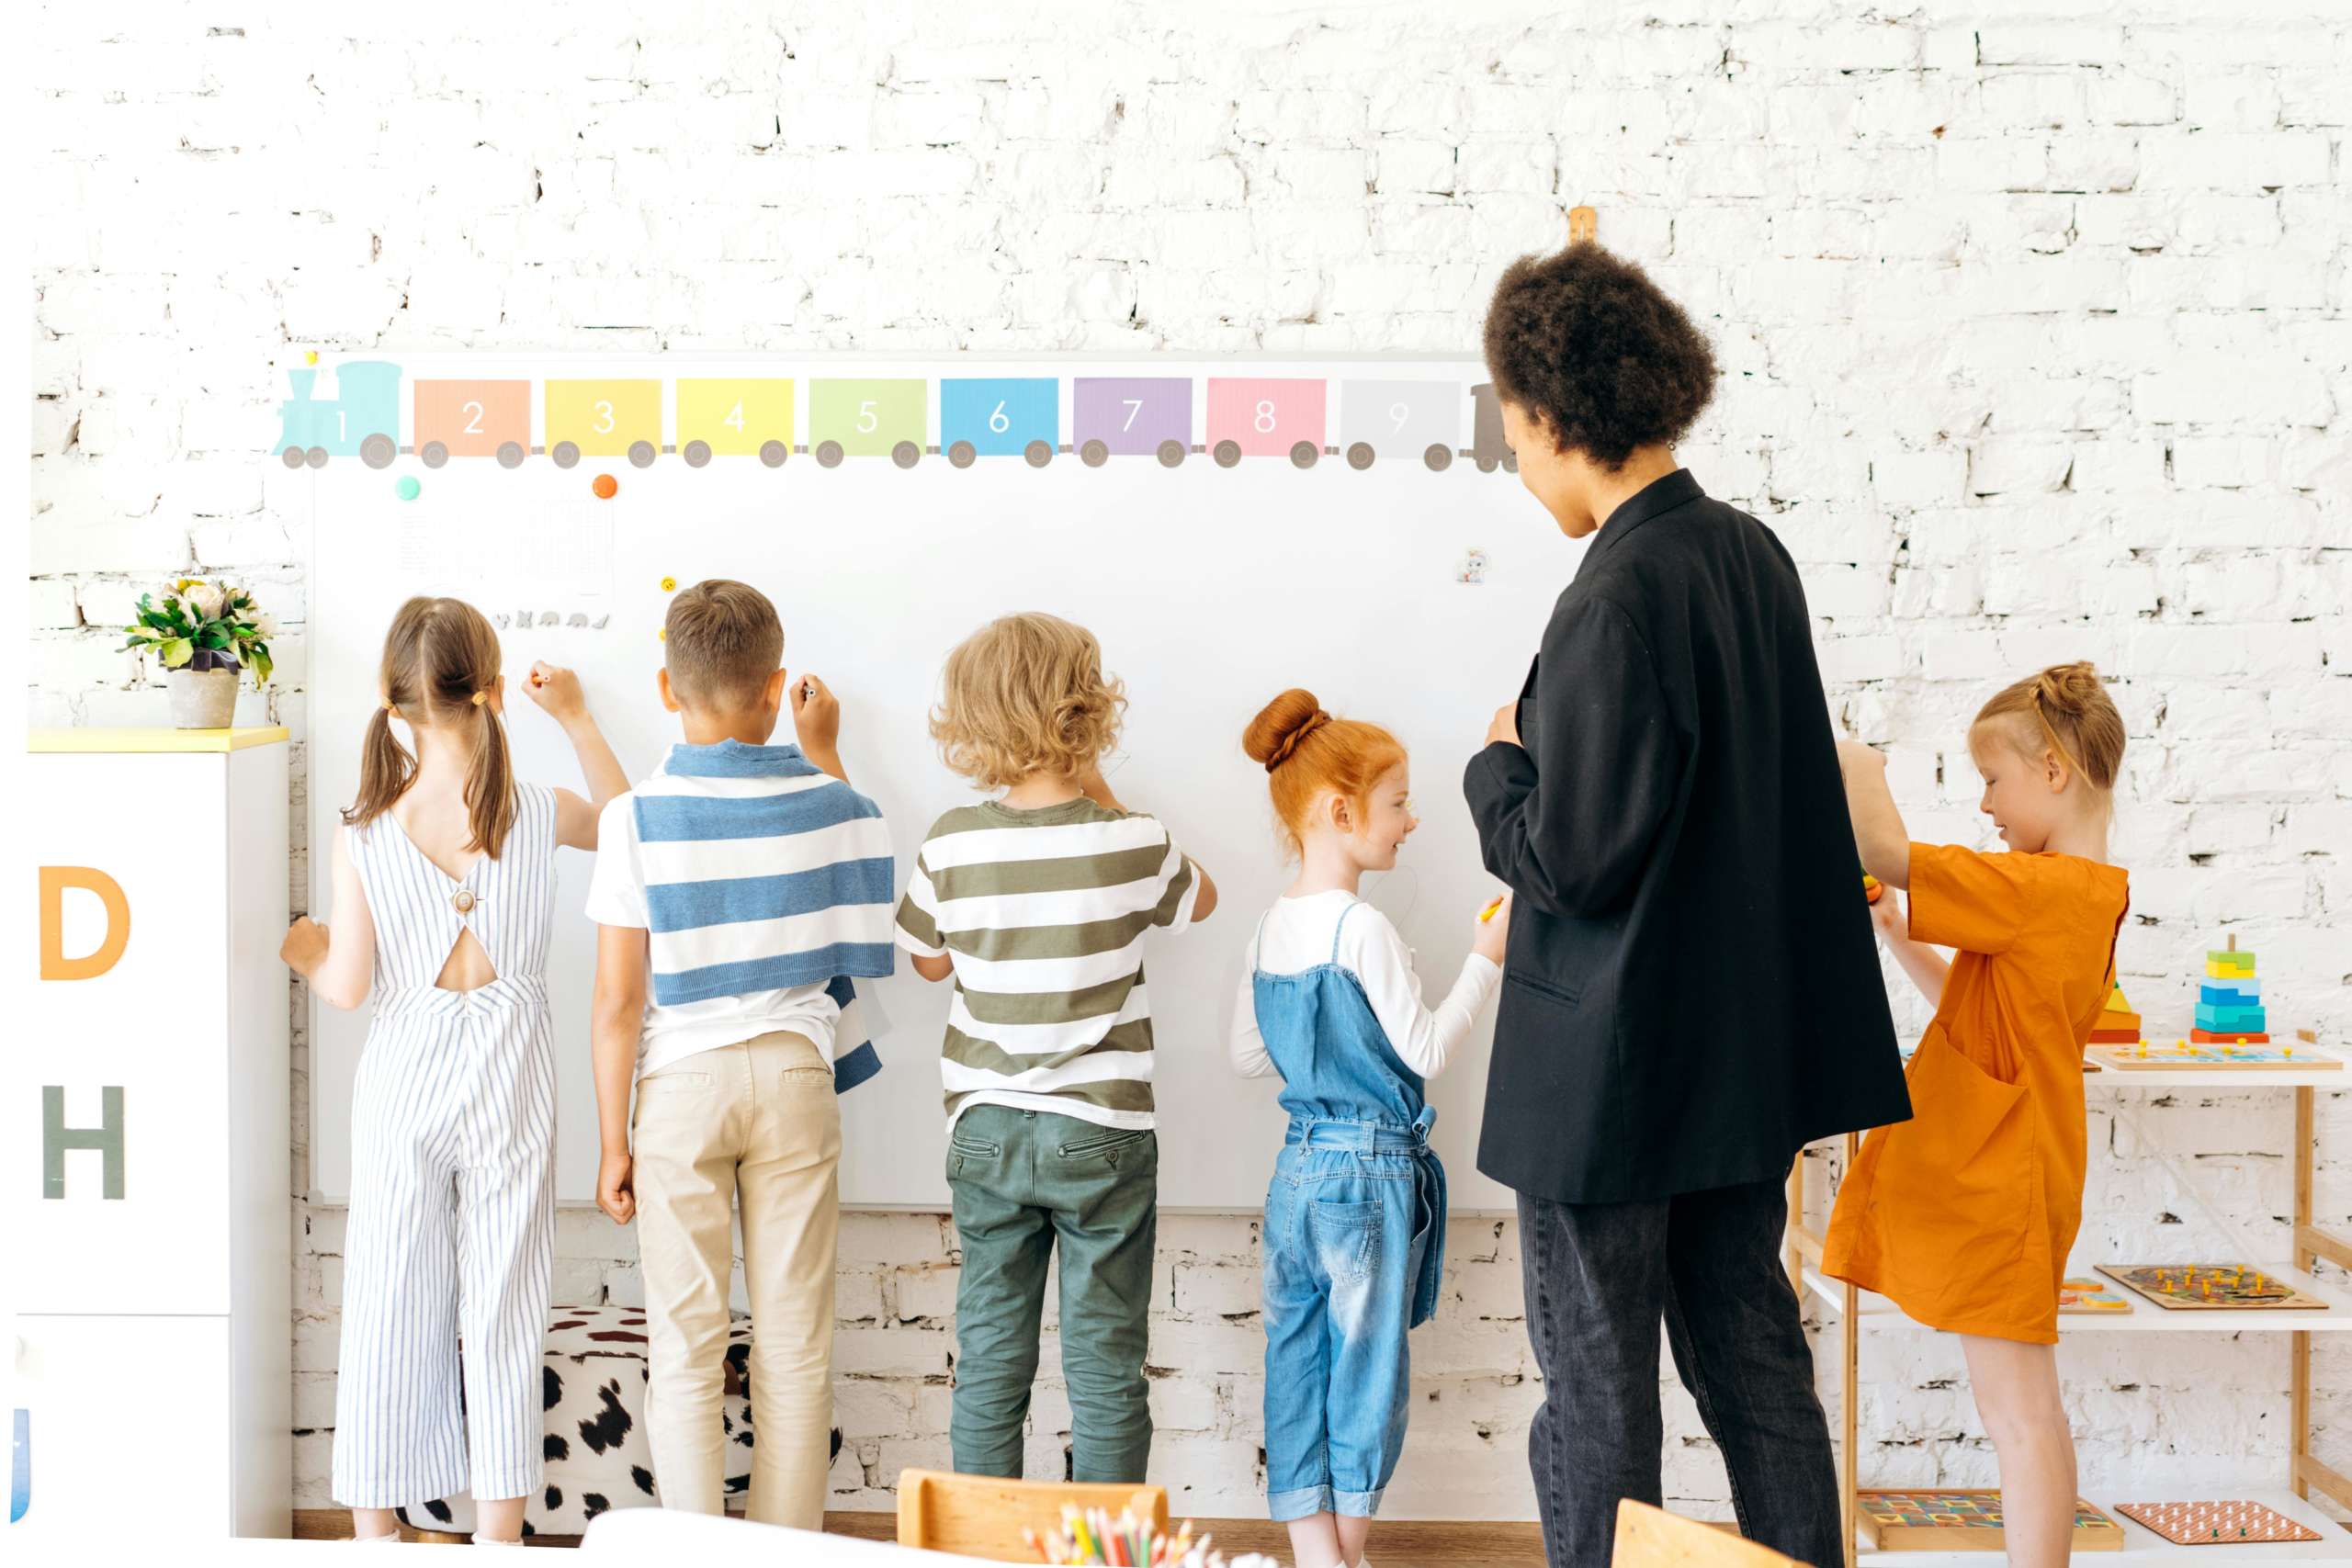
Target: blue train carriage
pixel 1401 421
pixel 1487 448
pixel 1000 416
pixel 363 419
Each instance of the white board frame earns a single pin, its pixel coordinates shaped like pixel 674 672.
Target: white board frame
pixel 1219 1135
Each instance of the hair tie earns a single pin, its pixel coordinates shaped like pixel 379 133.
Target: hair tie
pixel 1292 741
pixel 481 697
pixel 390 709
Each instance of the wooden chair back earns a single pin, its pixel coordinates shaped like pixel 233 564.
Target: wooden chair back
pixel 1652 1537
pixel 982 1515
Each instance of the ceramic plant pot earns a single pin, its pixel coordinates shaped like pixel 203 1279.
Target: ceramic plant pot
pixel 202 699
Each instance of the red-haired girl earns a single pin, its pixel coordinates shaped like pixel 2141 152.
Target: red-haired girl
pixel 1354 1234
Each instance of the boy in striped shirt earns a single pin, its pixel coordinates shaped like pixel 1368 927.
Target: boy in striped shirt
pixel 737 891
pixel 1037 903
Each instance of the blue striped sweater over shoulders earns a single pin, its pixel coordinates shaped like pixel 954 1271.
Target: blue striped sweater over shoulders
pixel 763 871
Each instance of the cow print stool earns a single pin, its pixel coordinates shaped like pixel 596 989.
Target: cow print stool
pixel 592 1377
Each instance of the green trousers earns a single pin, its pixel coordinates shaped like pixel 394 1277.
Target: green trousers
pixel 1024 1181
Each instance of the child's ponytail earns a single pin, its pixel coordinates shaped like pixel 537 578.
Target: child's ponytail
pixel 2066 707
pixel 440 666
pixel 490 782
pixel 386 770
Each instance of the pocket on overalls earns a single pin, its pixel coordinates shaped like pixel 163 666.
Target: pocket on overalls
pixel 1345 1239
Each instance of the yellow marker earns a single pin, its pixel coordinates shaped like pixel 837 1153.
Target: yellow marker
pixel 1488 912
pixel 669 585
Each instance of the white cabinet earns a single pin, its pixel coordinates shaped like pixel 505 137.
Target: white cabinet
pixel 148 1199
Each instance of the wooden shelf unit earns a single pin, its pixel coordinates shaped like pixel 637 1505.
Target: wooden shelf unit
pixel 1854 1307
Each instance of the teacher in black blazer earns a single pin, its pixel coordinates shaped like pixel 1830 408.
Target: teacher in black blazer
pixel 1692 990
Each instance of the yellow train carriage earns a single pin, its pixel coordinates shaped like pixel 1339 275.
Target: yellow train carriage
pixel 734 417
pixel 603 419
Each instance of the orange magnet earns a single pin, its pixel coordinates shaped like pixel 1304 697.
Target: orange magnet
pixel 606 487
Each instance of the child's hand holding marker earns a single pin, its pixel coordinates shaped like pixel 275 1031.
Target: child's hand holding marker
pixel 557 692
pixel 1492 930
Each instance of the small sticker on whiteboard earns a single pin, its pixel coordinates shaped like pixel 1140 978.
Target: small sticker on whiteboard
pixel 1473 569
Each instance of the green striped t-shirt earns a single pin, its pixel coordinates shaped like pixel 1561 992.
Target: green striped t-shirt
pixel 1044 913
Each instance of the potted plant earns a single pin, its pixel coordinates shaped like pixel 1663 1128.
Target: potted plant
pixel 204 632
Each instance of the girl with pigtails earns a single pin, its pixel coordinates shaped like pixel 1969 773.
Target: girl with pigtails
pixel 444 897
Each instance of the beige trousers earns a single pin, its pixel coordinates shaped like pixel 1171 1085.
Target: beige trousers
pixel 759 1119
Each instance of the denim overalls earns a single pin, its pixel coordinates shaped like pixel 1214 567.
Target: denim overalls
pixel 1355 1242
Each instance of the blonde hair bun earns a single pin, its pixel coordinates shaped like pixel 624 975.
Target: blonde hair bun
pixel 2066 708
pixel 1280 726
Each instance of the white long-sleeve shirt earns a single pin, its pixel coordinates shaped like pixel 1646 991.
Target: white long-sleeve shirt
pixel 1296 935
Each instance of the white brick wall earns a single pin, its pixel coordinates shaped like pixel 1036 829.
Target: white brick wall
pixel 2033 322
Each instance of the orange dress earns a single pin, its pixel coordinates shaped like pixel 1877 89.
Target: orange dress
pixel 1964 1215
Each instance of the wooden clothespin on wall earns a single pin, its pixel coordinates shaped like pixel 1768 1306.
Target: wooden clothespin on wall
pixel 1583 224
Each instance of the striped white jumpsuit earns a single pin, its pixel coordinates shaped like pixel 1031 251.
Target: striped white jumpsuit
pixel 451 1232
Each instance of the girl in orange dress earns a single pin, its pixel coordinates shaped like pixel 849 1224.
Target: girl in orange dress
pixel 1964 1215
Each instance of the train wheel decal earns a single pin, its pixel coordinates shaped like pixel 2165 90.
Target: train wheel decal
pixel 695 453
pixel 1439 458
pixel 1304 453
pixel 292 456
pixel 1486 464
pixel 1170 453
pixel 1094 454
pixel 510 453
pixel 1226 453
pixel 640 454
pixel 316 456
pixel 905 453
pixel 1039 452
pixel 1511 462
pixel 377 451
pixel 1360 456
pixel 433 454
pixel 773 452
pixel 565 453
pixel 828 454
pixel 960 454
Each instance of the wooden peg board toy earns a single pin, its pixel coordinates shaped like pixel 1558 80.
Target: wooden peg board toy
pixel 2091 1296
pixel 2222 1057
pixel 2238 1523
pixel 2210 1287
pixel 1953 1520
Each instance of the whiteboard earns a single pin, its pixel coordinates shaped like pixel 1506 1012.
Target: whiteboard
pixel 1212 587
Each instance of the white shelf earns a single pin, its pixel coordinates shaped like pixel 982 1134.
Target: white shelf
pixel 2142 1545
pixel 2145 1317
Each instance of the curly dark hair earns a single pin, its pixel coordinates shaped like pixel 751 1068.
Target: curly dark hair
pixel 1589 341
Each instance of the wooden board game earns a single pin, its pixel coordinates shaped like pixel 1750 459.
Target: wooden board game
pixel 2218 1057
pixel 1957 1519
pixel 2230 1523
pixel 2091 1296
pixel 2210 1287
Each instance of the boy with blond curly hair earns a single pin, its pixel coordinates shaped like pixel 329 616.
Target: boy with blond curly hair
pixel 1038 902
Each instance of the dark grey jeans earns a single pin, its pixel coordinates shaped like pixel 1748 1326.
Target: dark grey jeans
pixel 1600 1278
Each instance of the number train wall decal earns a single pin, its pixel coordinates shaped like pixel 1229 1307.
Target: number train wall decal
pixel 979 416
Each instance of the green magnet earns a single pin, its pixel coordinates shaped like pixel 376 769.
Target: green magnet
pixel 407 488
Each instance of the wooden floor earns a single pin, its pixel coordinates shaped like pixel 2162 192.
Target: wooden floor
pixel 1444 1545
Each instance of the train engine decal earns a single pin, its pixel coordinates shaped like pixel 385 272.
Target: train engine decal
pixel 363 420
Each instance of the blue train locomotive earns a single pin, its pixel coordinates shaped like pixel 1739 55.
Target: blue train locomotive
pixel 366 419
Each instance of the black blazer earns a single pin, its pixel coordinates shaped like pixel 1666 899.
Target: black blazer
pixel 1692 990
